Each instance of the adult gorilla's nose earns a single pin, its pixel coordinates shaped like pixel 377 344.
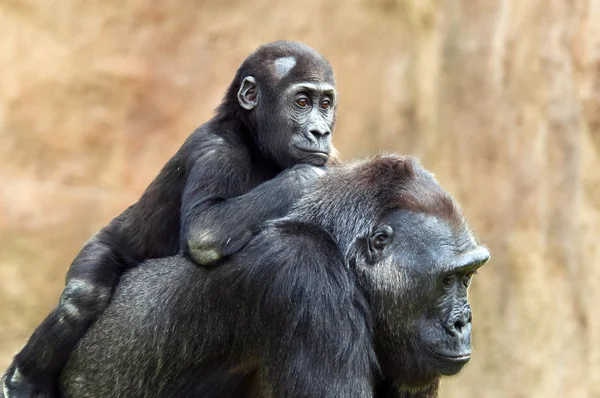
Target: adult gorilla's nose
pixel 459 321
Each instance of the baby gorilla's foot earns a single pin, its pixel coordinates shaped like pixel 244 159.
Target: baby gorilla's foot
pixel 16 385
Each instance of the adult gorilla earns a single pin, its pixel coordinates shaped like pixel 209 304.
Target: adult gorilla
pixel 360 291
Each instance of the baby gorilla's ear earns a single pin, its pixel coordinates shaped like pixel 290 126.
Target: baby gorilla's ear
pixel 379 239
pixel 248 93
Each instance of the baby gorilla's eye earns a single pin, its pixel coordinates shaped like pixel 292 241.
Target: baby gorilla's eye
pixel 325 104
pixel 302 102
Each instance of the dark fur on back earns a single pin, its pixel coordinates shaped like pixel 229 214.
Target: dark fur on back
pixel 172 330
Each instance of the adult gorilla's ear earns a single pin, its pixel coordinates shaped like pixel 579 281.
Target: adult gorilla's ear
pixel 379 239
pixel 248 93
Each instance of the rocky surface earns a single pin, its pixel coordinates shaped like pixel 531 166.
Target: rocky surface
pixel 500 98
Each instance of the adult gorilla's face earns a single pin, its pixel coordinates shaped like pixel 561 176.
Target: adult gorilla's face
pixel 418 270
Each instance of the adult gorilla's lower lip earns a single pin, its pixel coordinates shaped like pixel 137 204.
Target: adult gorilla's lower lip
pixel 462 358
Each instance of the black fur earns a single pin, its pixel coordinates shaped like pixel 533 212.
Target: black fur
pixel 341 298
pixel 246 165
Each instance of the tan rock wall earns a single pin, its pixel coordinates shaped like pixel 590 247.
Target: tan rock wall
pixel 500 98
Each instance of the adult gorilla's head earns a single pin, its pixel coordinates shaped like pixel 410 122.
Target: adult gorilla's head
pixel 414 256
pixel 284 94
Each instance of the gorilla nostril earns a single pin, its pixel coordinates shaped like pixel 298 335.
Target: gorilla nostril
pixel 459 324
pixel 459 320
pixel 320 133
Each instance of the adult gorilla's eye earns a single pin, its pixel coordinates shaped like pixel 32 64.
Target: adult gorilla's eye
pixel 302 102
pixel 325 104
pixel 381 238
pixel 467 278
pixel 447 281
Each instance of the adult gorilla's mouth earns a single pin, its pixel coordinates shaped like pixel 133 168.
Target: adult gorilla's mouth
pixel 456 358
pixel 450 363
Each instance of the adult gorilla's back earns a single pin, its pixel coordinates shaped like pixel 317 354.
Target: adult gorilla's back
pixel 145 344
pixel 176 330
pixel 361 290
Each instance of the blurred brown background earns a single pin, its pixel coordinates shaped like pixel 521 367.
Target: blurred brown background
pixel 501 98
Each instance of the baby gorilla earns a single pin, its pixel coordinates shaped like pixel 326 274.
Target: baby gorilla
pixel 360 291
pixel 246 165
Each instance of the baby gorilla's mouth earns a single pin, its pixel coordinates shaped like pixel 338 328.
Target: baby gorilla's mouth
pixel 313 151
pixel 321 155
pixel 313 156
